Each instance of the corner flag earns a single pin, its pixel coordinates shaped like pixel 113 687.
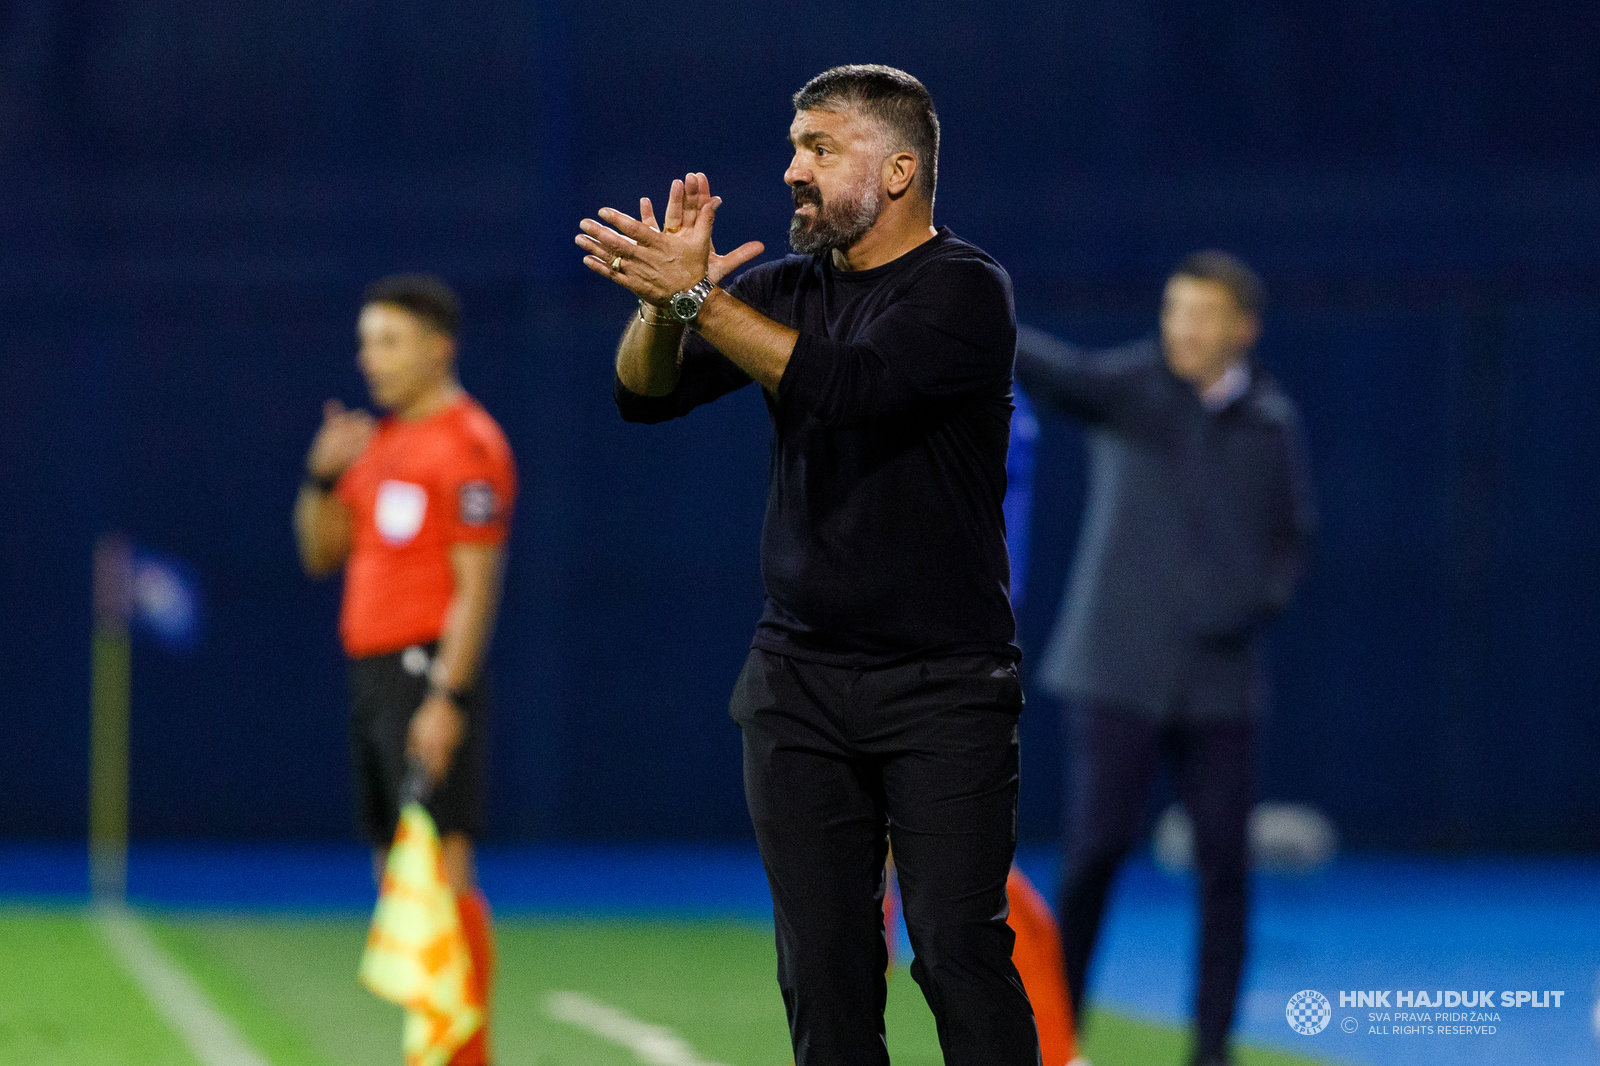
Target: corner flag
pixel 417 953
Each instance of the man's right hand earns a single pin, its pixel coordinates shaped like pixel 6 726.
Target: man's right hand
pixel 684 204
pixel 342 438
pixel 655 261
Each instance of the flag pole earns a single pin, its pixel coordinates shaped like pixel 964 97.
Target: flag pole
pixel 109 684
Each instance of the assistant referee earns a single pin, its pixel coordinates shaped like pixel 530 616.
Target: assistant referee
pixel 880 697
pixel 415 507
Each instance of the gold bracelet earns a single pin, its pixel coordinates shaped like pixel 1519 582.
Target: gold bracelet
pixel 655 317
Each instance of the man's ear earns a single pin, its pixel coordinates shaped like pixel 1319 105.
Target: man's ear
pixel 1248 331
pixel 899 173
pixel 444 350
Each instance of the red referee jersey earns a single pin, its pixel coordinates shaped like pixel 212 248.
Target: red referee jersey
pixel 419 488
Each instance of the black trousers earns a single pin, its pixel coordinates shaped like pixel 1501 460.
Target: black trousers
pixel 837 763
pixel 1114 753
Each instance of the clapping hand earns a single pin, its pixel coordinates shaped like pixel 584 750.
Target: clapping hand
pixel 654 260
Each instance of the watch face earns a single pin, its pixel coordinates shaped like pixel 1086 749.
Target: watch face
pixel 685 306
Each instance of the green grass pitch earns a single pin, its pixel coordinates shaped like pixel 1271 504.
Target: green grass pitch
pixel 288 984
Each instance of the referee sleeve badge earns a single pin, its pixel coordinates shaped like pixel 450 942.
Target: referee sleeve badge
pixel 478 503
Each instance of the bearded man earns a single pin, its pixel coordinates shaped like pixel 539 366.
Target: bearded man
pixel 880 698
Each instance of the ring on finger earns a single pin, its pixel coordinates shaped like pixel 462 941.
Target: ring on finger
pixel 616 265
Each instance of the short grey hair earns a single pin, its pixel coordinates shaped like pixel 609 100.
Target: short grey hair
pixel 896 101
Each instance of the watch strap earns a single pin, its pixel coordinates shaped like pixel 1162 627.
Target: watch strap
pixel 696 295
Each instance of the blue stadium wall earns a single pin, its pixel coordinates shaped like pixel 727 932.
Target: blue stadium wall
pixel 192 197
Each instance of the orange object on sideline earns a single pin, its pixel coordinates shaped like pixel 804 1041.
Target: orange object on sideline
pixel 1037 956
pixel 478 924
pixel 891 911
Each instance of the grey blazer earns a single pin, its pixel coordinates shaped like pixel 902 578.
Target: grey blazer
pixel 1194 536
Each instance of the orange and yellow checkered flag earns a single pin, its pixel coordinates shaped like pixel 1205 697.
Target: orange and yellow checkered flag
pixel 416 950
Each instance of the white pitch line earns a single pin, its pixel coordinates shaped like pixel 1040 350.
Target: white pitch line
pixel 653 1044
pixel 212 1038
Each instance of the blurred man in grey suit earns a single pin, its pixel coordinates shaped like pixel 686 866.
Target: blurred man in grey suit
pixel 1198 521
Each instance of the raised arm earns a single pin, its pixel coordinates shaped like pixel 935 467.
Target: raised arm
pixel 655 260
pixel 321 530
pixel 321 520
pixel 649 357
pixel 1091 385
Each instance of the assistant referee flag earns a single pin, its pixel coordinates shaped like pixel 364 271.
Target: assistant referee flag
pixel 417 954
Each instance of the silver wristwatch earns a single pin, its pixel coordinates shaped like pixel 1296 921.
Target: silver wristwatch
pixel 685 305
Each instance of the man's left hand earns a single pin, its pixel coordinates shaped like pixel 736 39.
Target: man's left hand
pixel 655 261
pixel 436 732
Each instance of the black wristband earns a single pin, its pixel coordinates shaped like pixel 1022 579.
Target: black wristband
pixel 322 484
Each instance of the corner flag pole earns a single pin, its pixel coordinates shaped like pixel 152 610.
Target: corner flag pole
pixel 110 680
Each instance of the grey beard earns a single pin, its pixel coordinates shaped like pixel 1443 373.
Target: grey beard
pixel 837 225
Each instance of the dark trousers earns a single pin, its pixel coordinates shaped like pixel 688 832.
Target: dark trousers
pixel 1114 755
pixel 837 763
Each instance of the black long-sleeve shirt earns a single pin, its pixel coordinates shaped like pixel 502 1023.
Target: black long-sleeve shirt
pixel 884 536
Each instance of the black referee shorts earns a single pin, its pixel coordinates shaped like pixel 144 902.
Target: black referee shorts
pixel 385 692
